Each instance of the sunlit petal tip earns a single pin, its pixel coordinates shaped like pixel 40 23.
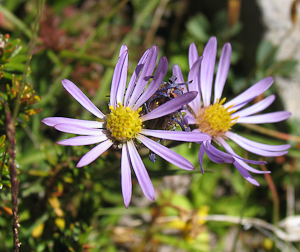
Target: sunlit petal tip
pixel 253 181
pixel 193 54
pixel 48 121
pixel 79 96
pixel 123 49
pixel 126 204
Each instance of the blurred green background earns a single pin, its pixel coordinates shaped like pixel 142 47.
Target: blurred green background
pixel 63 208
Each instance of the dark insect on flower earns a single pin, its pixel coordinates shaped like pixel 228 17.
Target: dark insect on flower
pixel 168 91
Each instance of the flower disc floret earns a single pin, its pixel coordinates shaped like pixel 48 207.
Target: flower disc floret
pixel 123 123
pixel 215 119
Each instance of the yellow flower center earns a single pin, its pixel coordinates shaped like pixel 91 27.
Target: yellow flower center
pixel 215 120
pixel 123 123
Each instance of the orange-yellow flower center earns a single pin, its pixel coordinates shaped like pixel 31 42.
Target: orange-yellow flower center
pixel 215 120
pixel 123 123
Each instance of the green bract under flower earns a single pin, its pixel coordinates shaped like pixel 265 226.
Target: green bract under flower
pixel 124 123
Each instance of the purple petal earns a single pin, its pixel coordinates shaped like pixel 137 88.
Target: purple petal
pixel 170 106
pixel 177 72
pixel 231 152
pixel 222 72
pixel 81 98
pixel 134 76
pixel 250 93
pixel 201 154
pixel 193 54
pixel 213 155
pixel 177 135
pixel 245 174
pixel 141 172
pixel 227 158
pixel 122 81
pixel 194 80
pixel 94 153
pixel 83 140
pixel 155 83
pixel 253 149
pixel 249 168
pixel 189 117
pixel 265 118
pixel 126 176
pixel 145 75
pixel 51 121
pixel 207 70
pixel 257 107
pixel 123 49
pixel 167 154
pixel 74 129
pixel 118 76
pixel 267 147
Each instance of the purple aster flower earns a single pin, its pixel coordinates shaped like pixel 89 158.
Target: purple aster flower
pixel 216 118
pixel 123 126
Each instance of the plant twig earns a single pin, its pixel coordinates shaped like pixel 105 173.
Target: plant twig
pixel 10 132
pixel 274 193
pixel 272 133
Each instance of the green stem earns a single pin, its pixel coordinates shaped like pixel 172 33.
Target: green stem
pixel 85 57
pixel 29 55
pixel 16 21
pixel 106 80
pixel 102 26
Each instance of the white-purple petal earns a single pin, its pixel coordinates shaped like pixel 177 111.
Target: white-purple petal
pixel 81 98
pixel 265 118
pixel 250 93
pixel 141 172
pixel 167 154
pixel 194 85
pixel 144 76
pixel 122 81
pixel 245 174
pixel 261 146
pixel 134 76
pixel 126 176
pixel 118 73
pixel 207 70
pixel 170 106
pixel 83 140
pixel 257 107
pixel 51 121
pixel 227 158
pixel 123 49
pixel 189 117
pixel 158 78
pixel 222 72
pixel 231 152
pixel 94 153
pixel 193 54
pixel 255 150
pixel 177 135
pixel 177 72
pixel 249 168
pixel 75 129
